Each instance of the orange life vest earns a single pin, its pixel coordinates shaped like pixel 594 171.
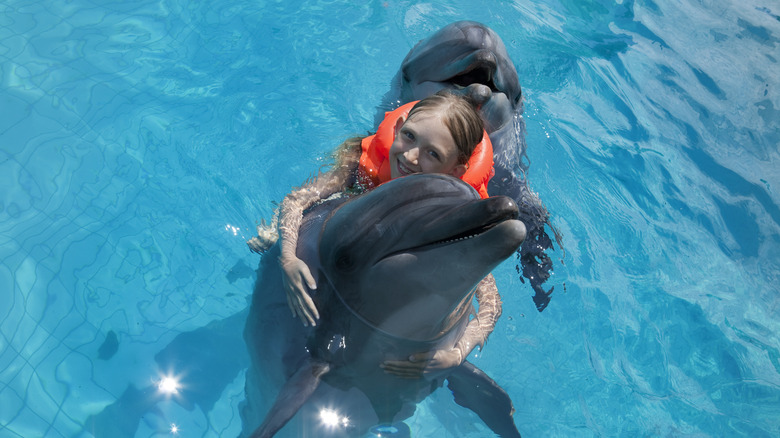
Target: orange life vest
pixel 375 166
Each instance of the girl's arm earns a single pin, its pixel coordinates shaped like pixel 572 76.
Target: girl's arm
pixel 476 333
pixel 290 217
pixel 479 328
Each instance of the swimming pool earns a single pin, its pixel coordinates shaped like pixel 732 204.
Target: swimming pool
pixel 141 142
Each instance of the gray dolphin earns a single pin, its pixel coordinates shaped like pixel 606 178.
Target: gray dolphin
pixel 470 58
pixel 396 270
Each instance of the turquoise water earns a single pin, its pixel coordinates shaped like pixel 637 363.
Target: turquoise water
pixel 140 143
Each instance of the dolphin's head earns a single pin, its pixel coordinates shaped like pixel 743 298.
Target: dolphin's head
pixel 469 58
pixel 406 254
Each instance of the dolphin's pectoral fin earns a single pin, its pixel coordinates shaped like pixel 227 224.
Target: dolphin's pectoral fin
pixel 473 389
pixel 291 397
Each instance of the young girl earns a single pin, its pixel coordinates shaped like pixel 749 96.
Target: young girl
pixel 442 133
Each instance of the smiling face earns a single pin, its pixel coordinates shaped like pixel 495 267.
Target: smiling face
pixel 424 144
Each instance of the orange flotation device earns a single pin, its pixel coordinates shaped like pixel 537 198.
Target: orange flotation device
pixel 375 166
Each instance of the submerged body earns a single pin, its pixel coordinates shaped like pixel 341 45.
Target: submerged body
pixel 397 271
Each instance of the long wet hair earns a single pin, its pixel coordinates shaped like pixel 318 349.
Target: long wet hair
pixel 459 115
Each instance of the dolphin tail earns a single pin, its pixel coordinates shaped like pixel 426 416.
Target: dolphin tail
pixel 473 389
pixel 298 388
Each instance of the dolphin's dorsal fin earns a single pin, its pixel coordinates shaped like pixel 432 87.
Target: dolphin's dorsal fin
pixel 292 396
pixel 475 390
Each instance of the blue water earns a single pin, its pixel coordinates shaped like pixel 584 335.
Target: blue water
pixel 140 143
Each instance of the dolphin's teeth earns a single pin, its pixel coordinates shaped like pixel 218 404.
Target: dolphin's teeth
pixel 456 239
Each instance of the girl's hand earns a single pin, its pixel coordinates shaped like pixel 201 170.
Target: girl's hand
pixel 421 365
pixel 267 235
pixel 296 278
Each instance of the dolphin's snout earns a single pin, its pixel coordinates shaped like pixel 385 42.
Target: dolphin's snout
pixel 515 232
pixel 486 58
pixel 478 93
pixel 502 207
pixel 507 219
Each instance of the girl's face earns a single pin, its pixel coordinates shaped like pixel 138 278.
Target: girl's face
pixel 423 144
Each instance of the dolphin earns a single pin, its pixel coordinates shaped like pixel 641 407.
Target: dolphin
pixel 470 58
pixel 396 270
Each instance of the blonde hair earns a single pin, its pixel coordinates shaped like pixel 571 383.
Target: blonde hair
pixel 459 115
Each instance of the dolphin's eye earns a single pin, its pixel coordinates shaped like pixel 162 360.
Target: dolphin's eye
pixel 344 261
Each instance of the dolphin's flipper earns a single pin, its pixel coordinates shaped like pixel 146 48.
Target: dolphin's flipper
pixel 473 389
pixel 292 396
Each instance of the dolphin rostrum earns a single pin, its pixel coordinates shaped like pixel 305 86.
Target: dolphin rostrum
pixel 396 270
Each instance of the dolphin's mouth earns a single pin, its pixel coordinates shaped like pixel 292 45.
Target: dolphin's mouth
pixel 465 234
pixel 479 74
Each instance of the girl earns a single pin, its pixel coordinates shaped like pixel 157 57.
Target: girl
pixel 442 133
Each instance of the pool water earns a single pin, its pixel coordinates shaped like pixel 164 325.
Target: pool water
pixel 141 142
